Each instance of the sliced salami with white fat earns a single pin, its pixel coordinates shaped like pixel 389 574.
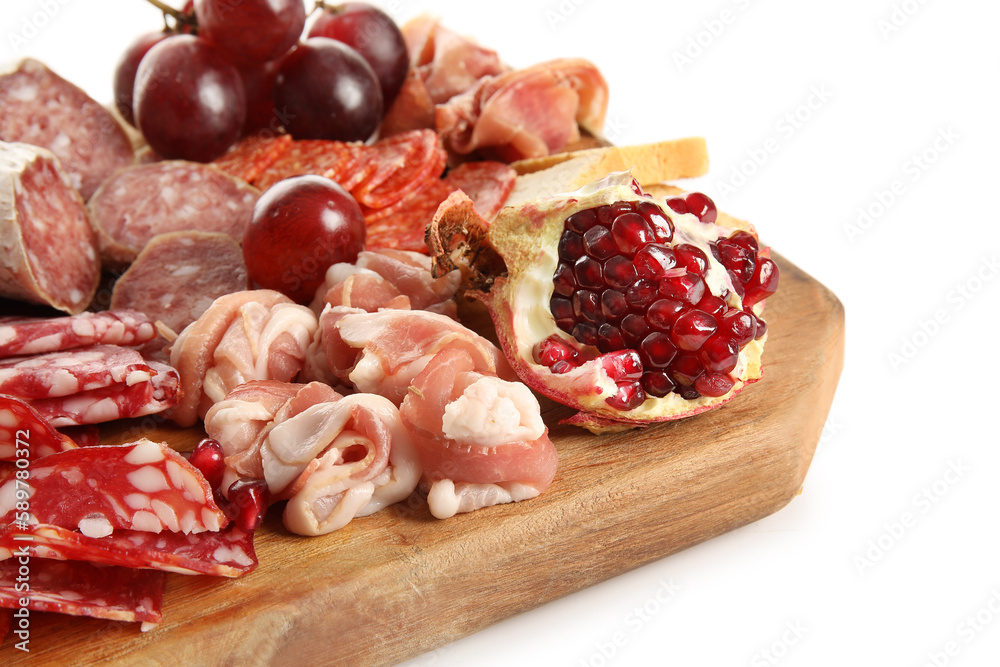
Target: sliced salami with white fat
pixel 82 589
pixel 43 109
pixel 72 371
pixel 25 434
pixel 178 275
pixel 139 202
pixel 38 335
pixel 227 553
pixel 48 250
pixel 143 486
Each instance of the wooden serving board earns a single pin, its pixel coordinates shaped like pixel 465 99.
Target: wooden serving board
pixel 401 583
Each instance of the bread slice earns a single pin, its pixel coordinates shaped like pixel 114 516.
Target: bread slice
pixel 650 163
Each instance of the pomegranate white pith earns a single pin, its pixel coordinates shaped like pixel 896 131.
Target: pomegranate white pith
pixel 602 383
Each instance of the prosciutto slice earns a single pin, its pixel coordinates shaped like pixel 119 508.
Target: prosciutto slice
pixel 525 113
pixel 481 440
pixel 251 335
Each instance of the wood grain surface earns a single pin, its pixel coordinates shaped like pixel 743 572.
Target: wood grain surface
pixel 399 583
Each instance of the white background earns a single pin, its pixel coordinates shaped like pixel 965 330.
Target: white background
pixel 902 94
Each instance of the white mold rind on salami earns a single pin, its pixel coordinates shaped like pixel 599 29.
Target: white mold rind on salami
pixel 48 250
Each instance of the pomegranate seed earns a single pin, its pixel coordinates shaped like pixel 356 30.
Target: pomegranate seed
pixel 737 285
pixel 570 246
pixel 208 458
pixel 563 312
pixel 714 384
pixel 562 367
pixel 712 305
pixel 622 365
pixel 692 329
pixel 677 205
pixel 588 273
pixel 686 287
pixel 686 368
pixel 654 260
pixel 761 328
pixel 619 272
pixel 587 306
pixel 737 259
pixel 745 240
pixel 641 293
pixel 613 304
pixel 586 333
pixel 636 188
pixel 248 500
pixel 629 396
pixel 631 232
pixel 663 229
pixel 621 207
pixel 763 284
pixel 605 216
pixel 663 313
pixel 599 243
pixel 657 350
pixel 609 338
pixel 581 221
pixel 554 349
pixel 738 325
pixel 635 328
pixel 719 354
pixel 564 280
pixel 702 206
pixel 657 383
pixel 688 393
pixel 692 258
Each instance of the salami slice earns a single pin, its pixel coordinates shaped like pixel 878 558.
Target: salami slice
pixel 73 371
pixel 82 589
pixel 227 553
pixel 143 486
pixel 405 162
pixel 43 109
pixel 309 156
pixel 48 251
pixel 139 202
pixel 488 184
pixel 87 435
pixel 6 622
pixel 37 335
pixel 121 401
pixel 177 276
pixel 252 156
pixel 26 434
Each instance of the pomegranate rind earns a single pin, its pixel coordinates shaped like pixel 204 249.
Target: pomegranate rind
pixel 525 238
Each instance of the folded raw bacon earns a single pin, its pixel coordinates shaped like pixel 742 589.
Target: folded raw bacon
pixel 25 434
pixel 178 275
pixel 226 553
pixel 43 109
pixel 82 589
pixel 144 486
pixel 251 335
pixel 48 249
pixel 38 335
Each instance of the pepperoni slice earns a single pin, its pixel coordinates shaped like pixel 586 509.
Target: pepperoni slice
pixel 307 156
pixel 252 156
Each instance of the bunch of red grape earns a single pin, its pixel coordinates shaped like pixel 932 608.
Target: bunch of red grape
pixel 228 68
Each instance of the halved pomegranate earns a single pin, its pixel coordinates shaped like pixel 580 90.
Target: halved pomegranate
pixel 631 309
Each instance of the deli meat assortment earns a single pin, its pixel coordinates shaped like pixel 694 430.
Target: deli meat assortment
pixel 287 272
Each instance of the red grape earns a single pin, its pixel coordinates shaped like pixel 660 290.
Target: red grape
pixel 251 31
pixel 300 227
pixel 189 101
pixel 258 82
pixel 372 33
pixel 327 91
pixel 124 82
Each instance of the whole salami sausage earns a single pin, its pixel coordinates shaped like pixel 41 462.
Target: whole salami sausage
pixel 48 251
pixel 43 109
pixel 139 202
pixel 178 275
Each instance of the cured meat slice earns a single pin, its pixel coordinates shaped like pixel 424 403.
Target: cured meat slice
pixel 525 113
pixel 481 440
pixel 139 202
pixel 82 589
pixel 143 486
pixel 38 335
pixel 309 156
pixel 122 401
pixel 48 250
pixel 404 162
pixel 251 335
pixel 6 622
pixel 178 275
pixel 72 371
pixel 382 352
pixel 451 64
pixel 227 553
pixel 412 109
pixel 87 435
pixel 43 109
pixel 488 184
pixel 25 434
pixel 253 155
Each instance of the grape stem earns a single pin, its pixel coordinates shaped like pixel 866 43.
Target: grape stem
pixel 168 10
